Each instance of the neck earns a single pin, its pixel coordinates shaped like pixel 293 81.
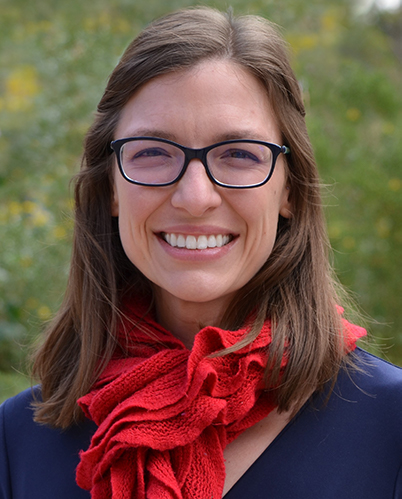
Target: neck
pixel 184 318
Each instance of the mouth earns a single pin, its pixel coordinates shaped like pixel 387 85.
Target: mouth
pixel 197 242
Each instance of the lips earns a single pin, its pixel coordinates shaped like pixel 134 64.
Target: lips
pixel 196 242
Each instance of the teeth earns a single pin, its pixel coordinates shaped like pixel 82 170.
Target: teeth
pixel 181 241
pixel 191 242
pixel 200 242
pixel 211 242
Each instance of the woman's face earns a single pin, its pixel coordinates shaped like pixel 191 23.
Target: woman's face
pixel 214 101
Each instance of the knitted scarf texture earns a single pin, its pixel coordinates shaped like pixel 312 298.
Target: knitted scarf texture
pixel 165 414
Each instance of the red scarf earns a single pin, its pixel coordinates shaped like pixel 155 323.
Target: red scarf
pixel 165 414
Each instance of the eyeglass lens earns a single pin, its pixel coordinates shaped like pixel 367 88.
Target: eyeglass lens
pixel 155 162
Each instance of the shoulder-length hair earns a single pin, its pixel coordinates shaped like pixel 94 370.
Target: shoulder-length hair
pixel 295 286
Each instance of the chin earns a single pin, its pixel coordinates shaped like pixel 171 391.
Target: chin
pixel 196 295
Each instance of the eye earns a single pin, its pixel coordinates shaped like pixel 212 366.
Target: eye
pixel 135 155
pixel 241 154
pixel 150 153
pixel 236 155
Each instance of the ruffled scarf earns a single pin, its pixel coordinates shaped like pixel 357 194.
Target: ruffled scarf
pixel 165 414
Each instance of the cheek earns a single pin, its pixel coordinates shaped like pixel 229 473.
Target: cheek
pixel 138 208
pixel 127 206
pixel 261 214
pixel 130 202
pixel 260 210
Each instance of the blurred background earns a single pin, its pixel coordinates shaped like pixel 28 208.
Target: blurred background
pixel 55 58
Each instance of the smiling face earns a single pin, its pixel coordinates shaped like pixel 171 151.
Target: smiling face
pixel 197 242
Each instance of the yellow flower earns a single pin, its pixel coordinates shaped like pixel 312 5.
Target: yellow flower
pixel 44 313
pixel 308 41
pixel 395 184
pixel 353 114
pixel 334 231
pixel 14 208
pixel 70 204
pixel 32 28
pixel 59 232
pixel 26 261
pixel 122 26
pixel 21 86
pixel 28 206
pixel 330 21
pixel 102 21
pixel 40 218
pixel 303 42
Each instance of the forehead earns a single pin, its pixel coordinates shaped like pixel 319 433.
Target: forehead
pixel 217 94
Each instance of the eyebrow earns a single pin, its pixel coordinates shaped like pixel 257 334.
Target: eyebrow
pixel 230 135
pixel 150 132
pixel 241 134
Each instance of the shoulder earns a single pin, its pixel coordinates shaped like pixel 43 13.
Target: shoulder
pixel 362 421
pixel 19 406
pixel 16 415
pixel 384 370
pixel 37 457
pixel 348 445
pixel 374 378
pixel 369 398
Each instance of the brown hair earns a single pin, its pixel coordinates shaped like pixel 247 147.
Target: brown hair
pixel 295 287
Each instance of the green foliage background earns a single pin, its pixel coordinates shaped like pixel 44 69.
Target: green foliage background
pixel 55 58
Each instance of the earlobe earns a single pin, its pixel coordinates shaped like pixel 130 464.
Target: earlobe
pixel 115 203
pixel 286 205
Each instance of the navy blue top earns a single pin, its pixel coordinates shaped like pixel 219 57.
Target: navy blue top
pixel 349 449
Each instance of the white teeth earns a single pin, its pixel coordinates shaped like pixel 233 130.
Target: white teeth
pixel 211 242
pixel 191 242
pixel 181 241
pixel 200 242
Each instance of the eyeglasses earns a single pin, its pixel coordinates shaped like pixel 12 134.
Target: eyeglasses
pixel 236 164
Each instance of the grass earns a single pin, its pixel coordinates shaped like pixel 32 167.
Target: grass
pixel 12 383
pixel 55 58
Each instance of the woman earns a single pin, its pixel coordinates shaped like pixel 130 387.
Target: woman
pixel 200 332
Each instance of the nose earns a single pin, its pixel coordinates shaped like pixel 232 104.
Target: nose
pixel 195 192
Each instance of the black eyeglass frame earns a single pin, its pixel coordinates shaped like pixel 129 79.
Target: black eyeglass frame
pixel 201 154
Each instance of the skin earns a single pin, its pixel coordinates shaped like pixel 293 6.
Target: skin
pixel 214 101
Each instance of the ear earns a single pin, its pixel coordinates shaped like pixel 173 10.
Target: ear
pixel 285 209
pixel 115 203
